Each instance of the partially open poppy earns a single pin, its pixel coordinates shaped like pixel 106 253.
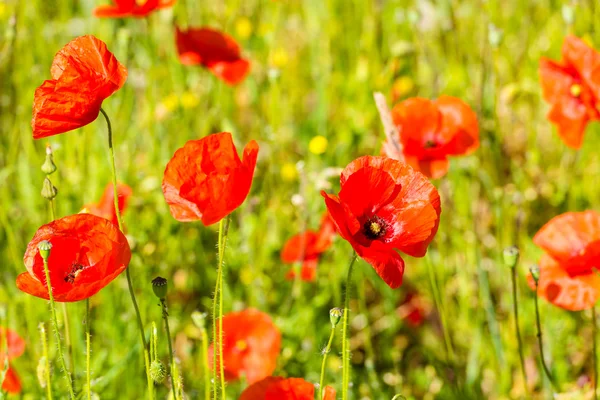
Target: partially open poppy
pixel 214 50
pixel 307 248
pixel 88 252
pixel 16 347
pixel 278 388
pixel 131 8
pixel 567 271
pixel 431 131
pixel 385 205
pixel 105 208
pixel 251 345
pixel 84 73
pixel 205 180
pixel 572 88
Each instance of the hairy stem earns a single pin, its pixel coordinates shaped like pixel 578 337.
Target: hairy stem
pixel 323 363
pixel 88 348
pixel 46 361
pixel 517 328
pixel 540 340
pixel 345 323
pixel 165 315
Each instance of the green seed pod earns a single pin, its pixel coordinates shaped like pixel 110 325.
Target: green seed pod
pixel 158 372
pixel 335 314
pixel 511 256
pixel 41 372
pixel 535 273
pixel 49 167
pixel 44 248
pixel 48 190
pixel 159 286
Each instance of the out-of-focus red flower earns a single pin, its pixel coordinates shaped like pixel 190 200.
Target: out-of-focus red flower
pixel 88 252
pixel 384 205
pixel 278 388
pixel 84 73
pixel 16 347
pixel 105 208
pixel 412 310
pixel 251 345
pixel 214 50
pixel 431 131
pixel 572 88
pixel 131 8
pixel 572 245
pixel 307 248
pixel 205 180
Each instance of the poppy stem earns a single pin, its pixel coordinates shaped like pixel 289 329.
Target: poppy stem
pixel 517 328
pixel 46 361
pixel 594 351
pixel 88 345
pixel 205 368
pixel 68 335
pixel 345 345
pixel 326 351
pixel 61 357
pixel 438 305
pixel 540 340
pixel 165 315
pixel 127 273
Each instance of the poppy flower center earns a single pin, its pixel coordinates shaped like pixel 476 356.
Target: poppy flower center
pixel 74 272
pixel 430 144
pixel 374 228
pixel 241 345
pixel 575 90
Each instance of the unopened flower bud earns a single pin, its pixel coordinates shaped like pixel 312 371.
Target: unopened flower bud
pixel 44 248
pixel 48 167
pixel 199 319
pixel 511 256
pixel 535 273
pixel 159 286
pixel 41 372
pixel 158 372
pixel 48 190
pixel 335 314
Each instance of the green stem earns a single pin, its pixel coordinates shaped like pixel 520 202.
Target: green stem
pixel 205 369
pixel 594 350
pixel 517 328
pixel 325 353
pixel 88 345
pixel 68 342
pixel 47 361
pixel 218 312
pixel 540 340
pixel 61 358
pixel 127 273
pixel 52 211
pixel 165 315
pixel 345 322
pixel 438 305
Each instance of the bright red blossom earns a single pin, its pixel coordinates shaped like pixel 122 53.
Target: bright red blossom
pixel 84 73
pixel 308 247
pixel 88 252
pixel 278 388
pixel 105 208
pixel 131 8
pixel 16 347
pixel 572 245
pixel 572 88
pixel 384 205
pixel 251 345
pixel 214 50
pixel 431 131
pixel 205 180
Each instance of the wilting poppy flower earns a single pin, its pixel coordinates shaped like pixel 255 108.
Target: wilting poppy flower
pixel 214 50
pixel 567 271
pixel 385 205
pixel 84 73
pixel 307 248
pixel 105 208
pixel 131 8
pixel 88 252
pixel 251 345
pixel 572 87
pixel 205 180
pixel 16 347
pixel 278 388
pixel 431 131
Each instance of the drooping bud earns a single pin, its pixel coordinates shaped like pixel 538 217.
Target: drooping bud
pixel 199 319
pixel 48 190
pixel 535 273
pixel 41 371
pixel 48 167
pixel 159 286
pixel 511 256
pixel 158 372
pixel 44 248
pixel 335 314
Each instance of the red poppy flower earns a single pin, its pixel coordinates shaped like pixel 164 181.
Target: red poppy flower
pixel 412 310
pixel 84 73
pixel 278 388
pixel 205 180
pixel 572 245
pixel 251 345
pixel 16 347
pixel 105 208
pixel 572 87
pixel 214 50
pixel 307 248
pixel 432 130
pixel 131 8
pixel 385 205
pixel 88 252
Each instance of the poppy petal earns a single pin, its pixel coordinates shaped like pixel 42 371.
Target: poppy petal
pixel 291 388
pixel 586 61
pixel 459 128
pixel 12 383
pixel 387 263
pixel 232 73
pixel 258 390
pixel 329 393
pixel 300 247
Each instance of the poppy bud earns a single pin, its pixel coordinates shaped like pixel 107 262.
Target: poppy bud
pixel 41 372
pixel 44 248
pixel 158 372
pixel 535 273
pixel 511 256
pixel 48 190
pixel 199 319
pixel 48 167
pixel 159 286
pixel 335 314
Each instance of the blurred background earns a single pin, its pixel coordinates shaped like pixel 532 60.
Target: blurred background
pixel 308 101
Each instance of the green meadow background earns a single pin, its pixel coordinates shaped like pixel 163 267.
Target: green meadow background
pixel 315 66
